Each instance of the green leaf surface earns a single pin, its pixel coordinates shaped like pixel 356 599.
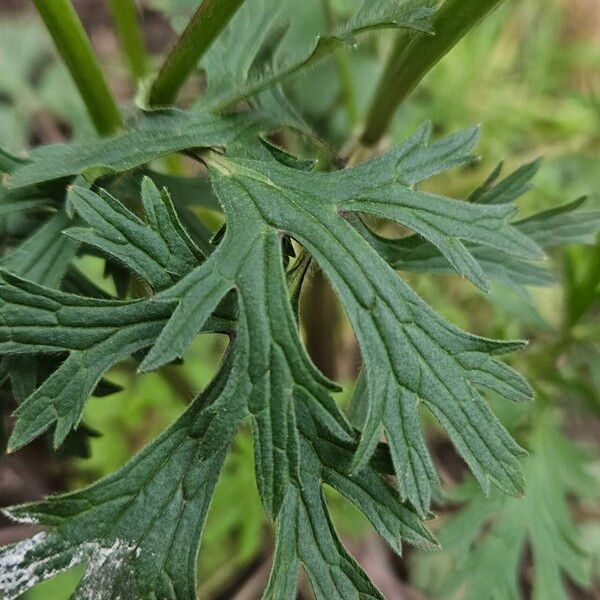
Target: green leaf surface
pixel 137 530
pixel 187 194
pixel 305 534
pixel 488 537
pixel 9 162
pixel 562 226
pixel 161 253
pixel 43 256
pixel 23 372
pixel 96 333
pixel 244 391
pixel 509 189
pixel 261 46
pixel 393 326
pixel 156 134
pixel 163 495
pixel 565 225
pixel 412 357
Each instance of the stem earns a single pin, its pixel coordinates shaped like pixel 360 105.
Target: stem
pixel 345 75
pixel 130 36
pixel 207 23
pixel 73 45
pixel 322 322
pixel 344 71
pixel 414 55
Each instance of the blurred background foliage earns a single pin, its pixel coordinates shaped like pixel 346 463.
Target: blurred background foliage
pixel 531 75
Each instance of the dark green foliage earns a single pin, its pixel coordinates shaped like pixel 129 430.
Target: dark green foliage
pixel 563 226
pixel 268 377
pixel 139 529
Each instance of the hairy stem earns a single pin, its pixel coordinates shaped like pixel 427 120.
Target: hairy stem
pixel 207 23
pixel 130 36
pixel 413 56
pixel 76 51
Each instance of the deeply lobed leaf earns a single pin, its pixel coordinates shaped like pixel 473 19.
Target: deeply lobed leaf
pixel 411 355
pixel 401 338
pixel 488 537
pixel 562 226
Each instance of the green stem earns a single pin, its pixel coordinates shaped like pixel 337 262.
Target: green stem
pixel 344 71
pixel 207 23
pixel 345 75
pixel 414 55
pixel 76 51
pixel 130 36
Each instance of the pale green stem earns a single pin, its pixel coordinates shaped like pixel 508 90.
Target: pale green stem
pixel 207 23
pixel 414 55
pixel 75 48
pixel 128 31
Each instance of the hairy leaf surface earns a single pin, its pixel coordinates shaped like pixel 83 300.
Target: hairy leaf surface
pixel 156 134
pixel 412 356
pixel 562 226
pixel 261 46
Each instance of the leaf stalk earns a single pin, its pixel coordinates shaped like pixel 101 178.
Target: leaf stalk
pixel 204 27
pixel 128 31
pixel 75 48
pixel 414 54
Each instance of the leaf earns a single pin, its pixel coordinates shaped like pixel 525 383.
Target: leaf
pixel 160 499
pixel 393 519
pixel 21 209
pixel 156 134
pixel 487 538
pixel 301 440
pixel 257 269
pixel 252 54
pixel 184 191
pixel 44 256
pixel 161 252
pixel 96 332
pixel 305 533
pixel 22 370
pixel 187 194
pixel 562 226
pixel 483 231
pixel 9 162
pixel 410 353
pixel 416 255
pixel 513 187
pixel 137 530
